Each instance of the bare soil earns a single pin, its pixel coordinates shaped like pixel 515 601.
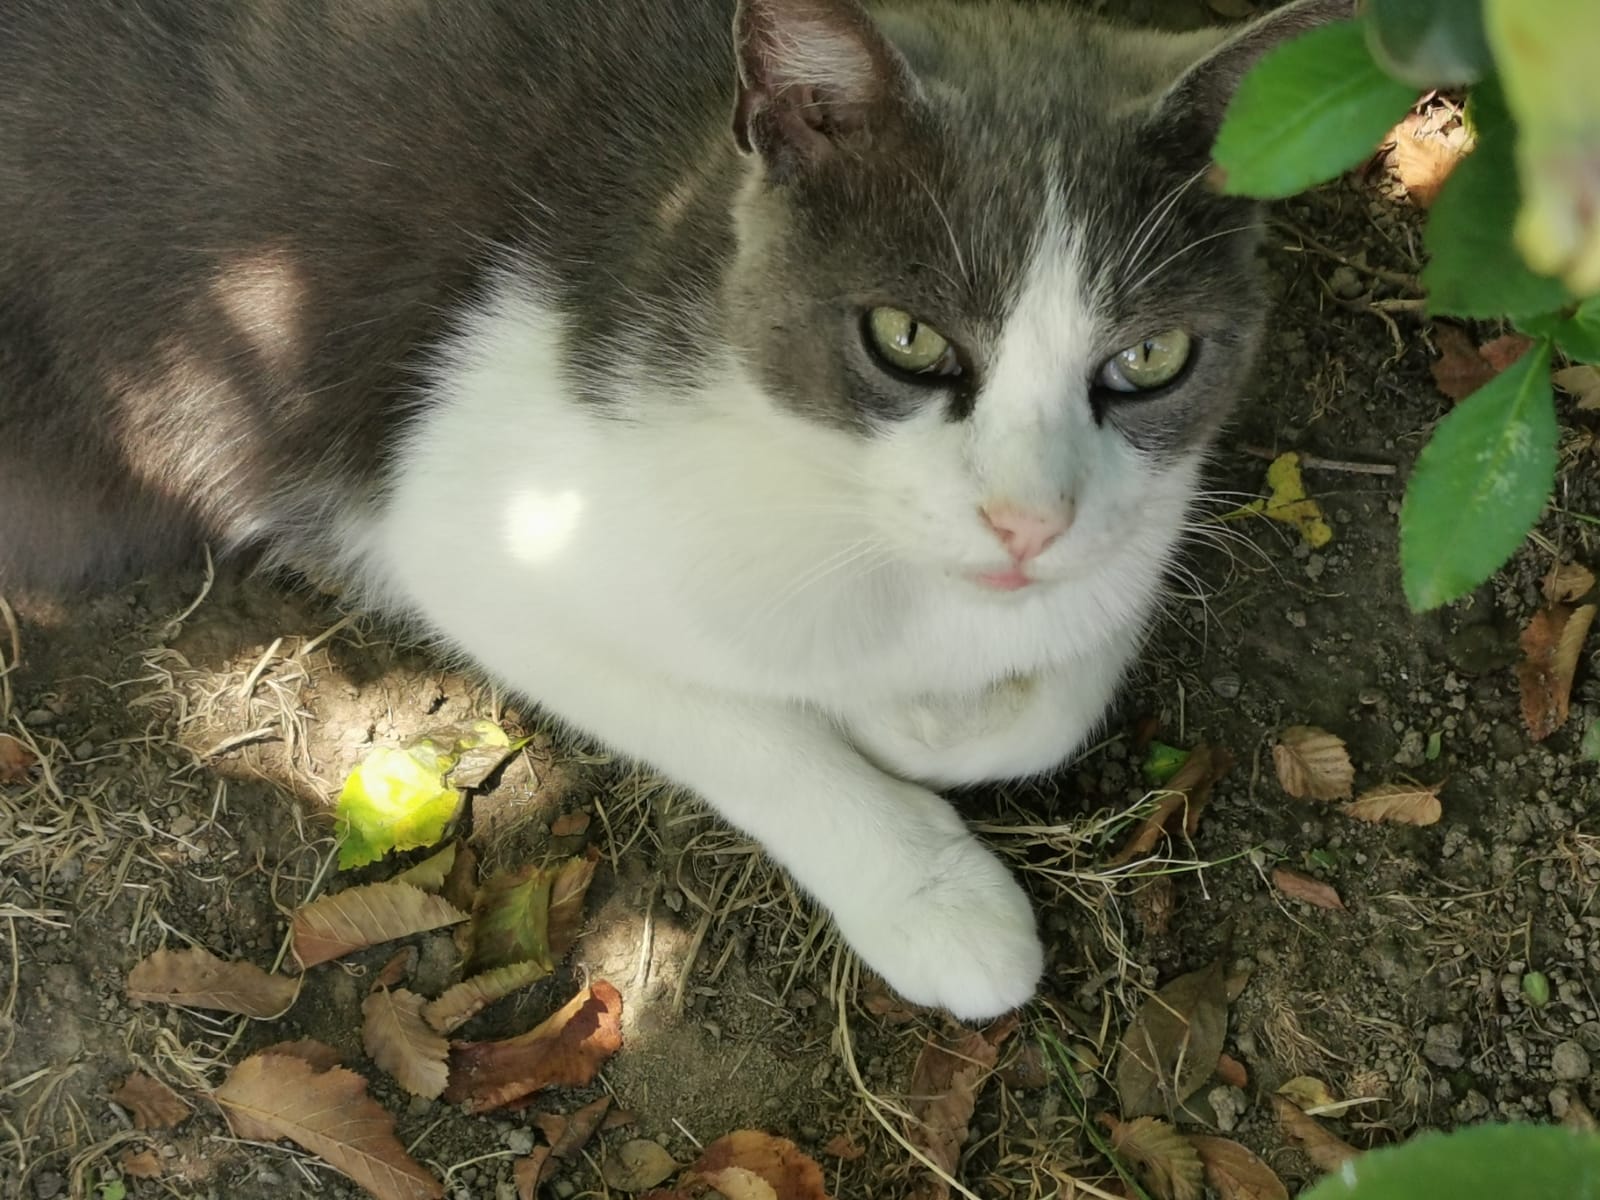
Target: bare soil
pixel 190 758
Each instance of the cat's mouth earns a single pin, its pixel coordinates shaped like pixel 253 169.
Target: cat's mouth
pixel 1011 580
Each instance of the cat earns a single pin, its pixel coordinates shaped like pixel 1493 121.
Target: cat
pixel 800 397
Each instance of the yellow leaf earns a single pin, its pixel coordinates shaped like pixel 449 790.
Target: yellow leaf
pixel 1290 504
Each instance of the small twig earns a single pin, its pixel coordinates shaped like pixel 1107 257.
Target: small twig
pixel 1396 278
pixel 228 744
pixel 1315 462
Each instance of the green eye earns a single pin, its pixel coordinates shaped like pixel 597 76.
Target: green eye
pixel 1152 363
pixel 907 345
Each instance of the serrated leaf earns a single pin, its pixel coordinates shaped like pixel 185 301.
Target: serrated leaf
pixel 1173 1043
pixel 398 1039
pixel 1396 804
pixel 566 1050
pixel 1479 484
pixel 328 1113
pixel 1313 763
pixel 471 996
pixel 1474 269
pixel 152 1103
pixel 1546 51
pixel 944 1088
pixel 531 914
pixel 1308 111
pixel 333 926
pixel 197 978
pixel 1577 332
pixel 1164 1161
pixel 430 874
pixel 1234 1173
pixel 318 1055
pixel 392 801
pixel 1484 1160
pixel 1551 645
pixel 1428 43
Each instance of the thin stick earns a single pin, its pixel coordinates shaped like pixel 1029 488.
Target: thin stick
pixel 1315 462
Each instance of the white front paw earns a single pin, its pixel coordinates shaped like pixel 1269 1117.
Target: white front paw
pixel 962 938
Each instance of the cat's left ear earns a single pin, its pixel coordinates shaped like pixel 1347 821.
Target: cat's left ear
pixel 1203 91
pixel 812 74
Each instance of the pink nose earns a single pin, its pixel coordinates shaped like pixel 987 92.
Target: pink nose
pixel 1026 533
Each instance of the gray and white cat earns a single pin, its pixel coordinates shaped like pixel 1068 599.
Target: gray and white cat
pixel 801 399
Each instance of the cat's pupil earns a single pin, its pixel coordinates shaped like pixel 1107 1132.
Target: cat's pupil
pixel 909 338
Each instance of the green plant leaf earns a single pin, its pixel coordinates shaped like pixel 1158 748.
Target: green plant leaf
pixel 1577 333
pixel 1546 52
pixel 1429 43
pixel 1589 748
pixel 392 801
pixel 1162 762
pixel 1309 110
pixel 1480 483
pixel 1485 1162
pixel 1474 269
pixel 530 915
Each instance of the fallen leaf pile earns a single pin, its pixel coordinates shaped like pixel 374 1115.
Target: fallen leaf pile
pixel 520 924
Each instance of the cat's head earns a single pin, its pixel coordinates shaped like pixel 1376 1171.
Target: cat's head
pixel 979 238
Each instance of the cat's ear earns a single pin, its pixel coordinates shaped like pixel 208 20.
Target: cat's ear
pixel 812 73
pixel 1203 90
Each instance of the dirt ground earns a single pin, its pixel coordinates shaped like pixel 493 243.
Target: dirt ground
pixel 192 733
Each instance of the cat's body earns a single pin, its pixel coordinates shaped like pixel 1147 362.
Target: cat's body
pixel 521 319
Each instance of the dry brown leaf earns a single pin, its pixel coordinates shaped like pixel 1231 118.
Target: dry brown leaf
pixel 878 1000
pixel 1581 382
pixel 1326 1150
pixel 430 873
pixel 944 1088
pixel 471 996
pixel 842 1145
pixel 528 1173
pixel 402 1043
pixel 1313 763
pixel 570 824
pixel 1567 583
pixel 744 1163
pixel 461 885
pixel 1188 792
pixel 637 1165
pixel 197 978
pixel 1302 887
pixel 1551 645
pixel 397 970
pixel 1307 1092
pixel 1424 154
pixel 152 1103
pixel 142 1164
pixel 1232 1072
pixel 328 1113
pixel 1027 1070
pixel 565 1050
pixel 1505 350
pixel 320 1055
pixel 1160 1157
pixel 1173 1044
pixel 16 760
pixel 1234 1173
pixel 570 1134
pixel 333 926
pixel 1459 370
pixel 1397 804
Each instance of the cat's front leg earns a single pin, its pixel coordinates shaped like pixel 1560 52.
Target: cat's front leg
pixel 1019 727
pixel 912 891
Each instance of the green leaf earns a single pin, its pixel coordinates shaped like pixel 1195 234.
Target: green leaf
pixel 1536 988
pixel 1162 763
pixel 1577 333
pixel 391 801
pixel 530 915
pixel 1480 483
pixel 1309 110
pixel 1429 43
pixel 1475 269
pixel 1486 1162
pixel 1546 52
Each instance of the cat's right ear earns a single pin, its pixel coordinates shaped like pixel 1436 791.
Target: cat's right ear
pixel 813 74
